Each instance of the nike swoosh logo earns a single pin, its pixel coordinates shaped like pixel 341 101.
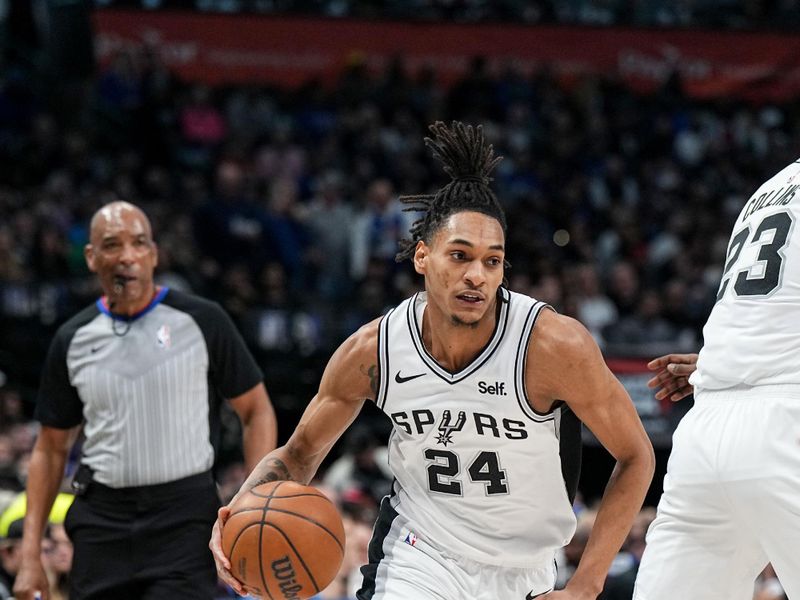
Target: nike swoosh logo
pixel 531 595
pixel 400 379
pixel 96 349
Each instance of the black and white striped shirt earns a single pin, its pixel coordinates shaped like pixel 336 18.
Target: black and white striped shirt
pixel 148 388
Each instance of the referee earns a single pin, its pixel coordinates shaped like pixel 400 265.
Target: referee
pixel 144 370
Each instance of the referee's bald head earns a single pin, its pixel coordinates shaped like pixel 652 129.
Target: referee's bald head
pixel 115 215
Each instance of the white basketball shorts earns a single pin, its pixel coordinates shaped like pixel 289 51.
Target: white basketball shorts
pixel 404 567
pixel 731 500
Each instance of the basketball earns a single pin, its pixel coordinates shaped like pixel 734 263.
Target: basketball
pixel 284 540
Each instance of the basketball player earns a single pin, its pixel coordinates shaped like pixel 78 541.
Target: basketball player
pixel 483 387
pixel 731 499
pixel 143 370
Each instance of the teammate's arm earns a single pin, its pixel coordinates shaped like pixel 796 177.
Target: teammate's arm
pixel 350 377
pixel 45 474
pixel 565 363
pixel 672 375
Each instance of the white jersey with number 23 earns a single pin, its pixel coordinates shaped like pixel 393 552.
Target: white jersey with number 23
pixel 752 337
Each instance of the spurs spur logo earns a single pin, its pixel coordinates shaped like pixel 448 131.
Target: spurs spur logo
pixel 446 427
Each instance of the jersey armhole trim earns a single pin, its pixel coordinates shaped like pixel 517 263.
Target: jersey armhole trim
pixel 383 360
pixel 521 363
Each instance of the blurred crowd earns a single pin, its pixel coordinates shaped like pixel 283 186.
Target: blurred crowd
pixel 283 206
pixel 727 14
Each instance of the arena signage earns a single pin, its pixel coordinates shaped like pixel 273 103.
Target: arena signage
pixel 248 48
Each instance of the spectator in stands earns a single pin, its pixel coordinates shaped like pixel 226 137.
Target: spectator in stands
pixel 57 549
pixel 593 308
pixel 358 531
pixel 203 127
pixel 231 227
pixel 377 229
pixel 364 466
pixel 286 230
pixel 646 325
pixel 330 253
pixel 8 464
pixel 10 542
pixel 11 528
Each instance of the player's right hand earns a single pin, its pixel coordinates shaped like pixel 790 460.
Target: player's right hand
pixel 31 581
pixel 223 564
pixel 672 375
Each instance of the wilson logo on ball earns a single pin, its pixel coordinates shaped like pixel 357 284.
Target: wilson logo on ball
pixel 284 573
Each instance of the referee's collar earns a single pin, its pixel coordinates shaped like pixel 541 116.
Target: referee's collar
pixel 102 306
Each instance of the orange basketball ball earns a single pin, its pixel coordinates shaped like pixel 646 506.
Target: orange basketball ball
pixel 284 540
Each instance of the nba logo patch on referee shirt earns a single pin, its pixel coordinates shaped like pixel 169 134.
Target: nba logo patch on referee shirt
pixel 163 337
pixel 411 539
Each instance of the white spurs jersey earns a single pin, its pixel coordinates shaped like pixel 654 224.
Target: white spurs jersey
pixel 478 473
pixel 753 334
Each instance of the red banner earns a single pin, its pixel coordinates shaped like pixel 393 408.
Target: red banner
pixel 289 51
pixel 658 417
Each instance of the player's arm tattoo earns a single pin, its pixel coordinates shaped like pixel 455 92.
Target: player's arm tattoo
pixel 374 375
pixel 276 471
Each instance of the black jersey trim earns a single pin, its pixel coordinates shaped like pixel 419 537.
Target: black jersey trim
pixel 520 363
pixel 383 360
pixel 453 377
pixel 570 449
pixel 375 554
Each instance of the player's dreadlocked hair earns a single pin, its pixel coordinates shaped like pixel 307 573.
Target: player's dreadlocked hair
pixel 468 159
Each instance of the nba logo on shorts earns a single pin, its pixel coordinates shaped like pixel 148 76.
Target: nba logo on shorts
pixel 411 539
pixel 163 338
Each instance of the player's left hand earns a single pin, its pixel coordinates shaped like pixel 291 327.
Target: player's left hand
pixel 222 562
pixel 672 375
